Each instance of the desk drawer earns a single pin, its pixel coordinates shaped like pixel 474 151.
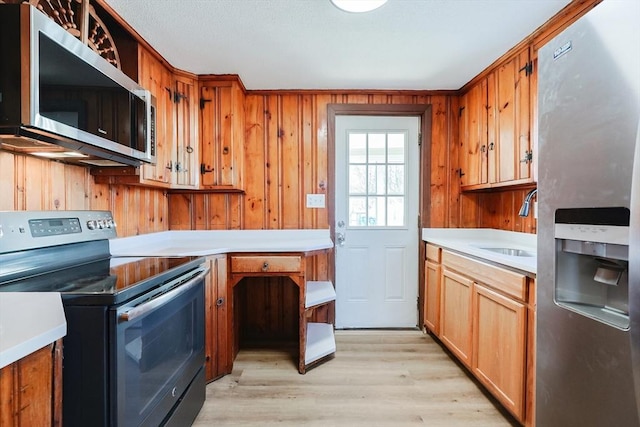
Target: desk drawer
pixel 266 264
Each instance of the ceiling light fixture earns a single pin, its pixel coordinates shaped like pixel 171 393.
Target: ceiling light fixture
pixel 358 6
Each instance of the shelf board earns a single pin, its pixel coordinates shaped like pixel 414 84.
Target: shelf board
pixel 320 342
pixel 319 292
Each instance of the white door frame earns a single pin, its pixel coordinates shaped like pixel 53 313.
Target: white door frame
pixel 421 110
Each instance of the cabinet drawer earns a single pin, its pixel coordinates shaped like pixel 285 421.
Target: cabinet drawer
pixel 266 264
pixel 433 253
pixel 507 281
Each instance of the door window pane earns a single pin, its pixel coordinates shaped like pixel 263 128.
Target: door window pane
pixel 395 211
pixel 396 147
pixel 357 148
pixel 357 179
pixel 395 180
pixel 377 151
pixel 358 211
pixel 377 179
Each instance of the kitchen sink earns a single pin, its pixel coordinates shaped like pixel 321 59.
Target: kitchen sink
pixel 511 252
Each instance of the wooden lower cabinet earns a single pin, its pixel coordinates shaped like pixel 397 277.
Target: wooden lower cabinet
pixel 455 315
pixel 31 389
pixel 217 354
pixel 487 320
pixel 499 346
pixel 432 279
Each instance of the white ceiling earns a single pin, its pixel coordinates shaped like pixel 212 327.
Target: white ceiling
pixel 310 44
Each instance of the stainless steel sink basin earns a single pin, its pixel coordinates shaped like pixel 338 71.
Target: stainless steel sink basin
pixel 510 251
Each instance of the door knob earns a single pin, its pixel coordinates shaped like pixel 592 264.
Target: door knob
pixel 341 224
pixel 340 238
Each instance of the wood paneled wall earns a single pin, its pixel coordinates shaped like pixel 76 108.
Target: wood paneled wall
pixel 285 157
pixel 29 183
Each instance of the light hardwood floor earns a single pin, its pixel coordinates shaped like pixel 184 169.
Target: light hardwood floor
pixel 378 378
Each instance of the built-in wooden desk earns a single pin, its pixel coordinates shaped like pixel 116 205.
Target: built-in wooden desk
pixel 316 341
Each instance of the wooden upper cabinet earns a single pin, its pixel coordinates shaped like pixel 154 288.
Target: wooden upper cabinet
pixel 186 167
pixel 473 135
pixel 495 125
pixel 512 155
pixel 176 148
pixel 222 133
pixel 156 78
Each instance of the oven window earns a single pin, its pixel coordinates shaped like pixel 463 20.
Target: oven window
pixel 157 355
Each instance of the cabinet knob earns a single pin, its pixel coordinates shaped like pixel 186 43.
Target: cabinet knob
pixel 219 302
pixel 265 266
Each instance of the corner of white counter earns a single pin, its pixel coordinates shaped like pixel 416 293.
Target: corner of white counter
pixel 28 322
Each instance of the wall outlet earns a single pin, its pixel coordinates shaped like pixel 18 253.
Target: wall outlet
pixel 315 201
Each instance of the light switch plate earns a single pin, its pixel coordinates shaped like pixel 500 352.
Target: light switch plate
pixel 315 201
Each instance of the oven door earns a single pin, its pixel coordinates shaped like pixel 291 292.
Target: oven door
pixel 159 351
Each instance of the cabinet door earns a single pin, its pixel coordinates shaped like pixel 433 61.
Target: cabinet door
pixel 187 165
pixel 432 296
pixel 509 158
pixel 222 134
pixel 473 135
pixel 217 348
pixel 29 389
pixel 154 77
pixel 499 358
pixel 455 314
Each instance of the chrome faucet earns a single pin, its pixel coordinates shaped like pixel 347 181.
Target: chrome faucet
pixel 524 210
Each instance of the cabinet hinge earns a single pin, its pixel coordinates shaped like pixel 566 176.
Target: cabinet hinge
pixel 460 111
pixel 177 97
pixel 203 169
pixel 528 68
pixel 203 101
pixel 528 157
pixel 419 139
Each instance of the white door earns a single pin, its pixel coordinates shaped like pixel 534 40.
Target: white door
pixel 376 221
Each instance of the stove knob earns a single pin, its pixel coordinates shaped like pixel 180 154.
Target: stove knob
pixel 110 223
pixel 92 224
pixel 101 224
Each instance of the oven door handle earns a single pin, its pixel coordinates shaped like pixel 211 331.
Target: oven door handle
pixel 154 303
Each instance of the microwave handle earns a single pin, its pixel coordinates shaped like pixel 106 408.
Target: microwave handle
pixel 154 303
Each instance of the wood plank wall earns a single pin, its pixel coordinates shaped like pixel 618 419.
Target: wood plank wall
pixel 285 157
pixel 29 183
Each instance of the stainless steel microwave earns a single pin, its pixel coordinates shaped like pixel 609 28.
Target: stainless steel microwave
pixel 60 99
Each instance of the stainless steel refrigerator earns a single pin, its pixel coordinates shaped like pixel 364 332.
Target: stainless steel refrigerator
pixel 588 295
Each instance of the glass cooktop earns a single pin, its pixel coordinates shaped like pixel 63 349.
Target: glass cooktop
pixel 107 277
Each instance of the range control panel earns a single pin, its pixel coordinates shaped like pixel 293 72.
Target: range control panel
pixel 21 230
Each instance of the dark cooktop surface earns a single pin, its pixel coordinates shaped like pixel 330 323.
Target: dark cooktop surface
pixel 112 279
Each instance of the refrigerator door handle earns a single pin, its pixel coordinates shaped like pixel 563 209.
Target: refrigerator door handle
pixel 634 270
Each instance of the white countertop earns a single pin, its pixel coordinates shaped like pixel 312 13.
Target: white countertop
pixel 28 322
pixel 471 241
pixel 199 243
